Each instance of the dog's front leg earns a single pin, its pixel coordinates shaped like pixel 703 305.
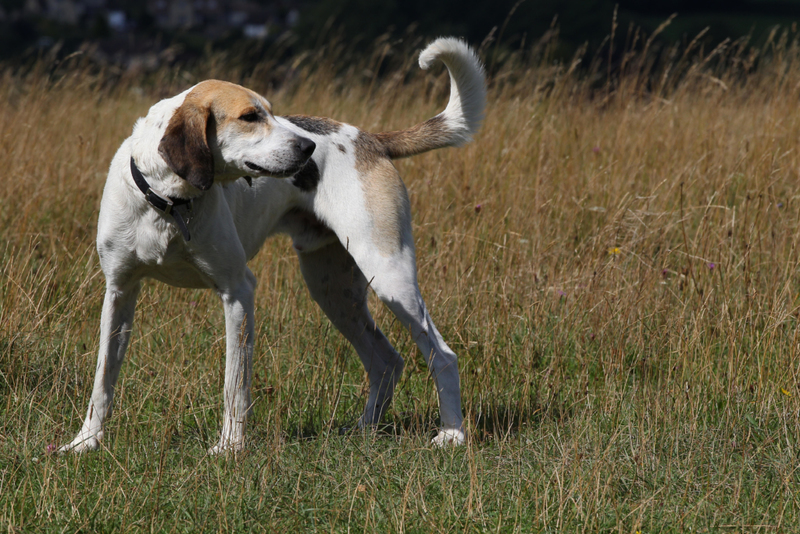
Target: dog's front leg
pixel 239 332
pixel 115 330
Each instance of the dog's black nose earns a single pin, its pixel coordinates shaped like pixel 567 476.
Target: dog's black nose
pixel 306 146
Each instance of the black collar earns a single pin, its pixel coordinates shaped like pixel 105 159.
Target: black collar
pixel 161 202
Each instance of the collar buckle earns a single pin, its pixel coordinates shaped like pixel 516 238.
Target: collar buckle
pixel 159 201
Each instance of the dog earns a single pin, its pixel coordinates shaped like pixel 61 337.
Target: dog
pixel 208 175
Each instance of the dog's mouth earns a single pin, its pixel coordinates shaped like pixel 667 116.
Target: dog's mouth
pixel 255 167
pixel 285 173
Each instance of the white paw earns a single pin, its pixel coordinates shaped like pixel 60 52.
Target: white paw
pixel 449 437
pixel 82 443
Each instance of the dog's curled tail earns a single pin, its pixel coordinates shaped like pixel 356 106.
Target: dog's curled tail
pixel 461 118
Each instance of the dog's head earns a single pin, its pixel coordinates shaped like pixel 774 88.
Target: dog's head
pixel 223 130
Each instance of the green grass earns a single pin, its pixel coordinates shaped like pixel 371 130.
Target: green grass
pixel 616 266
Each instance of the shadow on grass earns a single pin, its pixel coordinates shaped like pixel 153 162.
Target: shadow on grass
pixel 496 421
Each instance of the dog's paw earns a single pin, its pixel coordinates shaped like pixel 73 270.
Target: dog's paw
pixel 81 444
pixel 449 437
pixel 226 446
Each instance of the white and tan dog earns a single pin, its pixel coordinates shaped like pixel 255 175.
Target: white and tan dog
pixel 180 206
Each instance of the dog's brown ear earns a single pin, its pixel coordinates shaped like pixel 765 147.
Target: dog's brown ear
pixel 185 145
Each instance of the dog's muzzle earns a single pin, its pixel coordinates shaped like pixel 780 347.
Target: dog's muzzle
pixel 305 148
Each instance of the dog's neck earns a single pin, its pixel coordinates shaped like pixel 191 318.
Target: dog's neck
pixel 165 204
pixel 161 178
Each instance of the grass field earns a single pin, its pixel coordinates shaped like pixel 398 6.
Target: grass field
pixel 614 260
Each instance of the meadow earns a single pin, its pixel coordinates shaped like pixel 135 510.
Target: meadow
pixel 614 259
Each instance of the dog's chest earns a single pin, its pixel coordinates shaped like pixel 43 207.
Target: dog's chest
pixel 156 250
pixel 175 265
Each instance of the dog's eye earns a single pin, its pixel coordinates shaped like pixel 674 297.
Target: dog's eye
pixel 250 117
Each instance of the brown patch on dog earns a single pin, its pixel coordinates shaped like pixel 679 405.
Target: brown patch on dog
pixel 384 193
pixel 185 145
pixel 425 136
pixel 208 108
pixel 368 150
pixel 230 101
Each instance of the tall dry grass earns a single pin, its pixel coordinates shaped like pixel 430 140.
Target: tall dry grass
pixel 614 259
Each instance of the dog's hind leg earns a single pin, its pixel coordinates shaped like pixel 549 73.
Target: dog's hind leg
pixel 115 330
pixel 394 280
pixel 340 288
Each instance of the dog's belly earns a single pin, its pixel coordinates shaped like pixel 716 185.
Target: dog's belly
pixel 183 275
pixel 308 233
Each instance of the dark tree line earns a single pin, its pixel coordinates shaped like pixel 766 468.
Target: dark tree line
pixel 511 23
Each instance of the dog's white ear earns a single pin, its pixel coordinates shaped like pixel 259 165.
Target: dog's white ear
pixel 185 145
